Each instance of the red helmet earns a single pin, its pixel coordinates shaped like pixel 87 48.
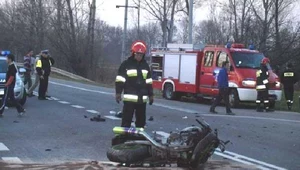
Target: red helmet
pixel 265 60
pixel 138 47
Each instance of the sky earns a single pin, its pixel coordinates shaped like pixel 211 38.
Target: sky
pixel 107 11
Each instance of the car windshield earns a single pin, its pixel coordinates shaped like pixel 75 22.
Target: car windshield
pixel 3 66
pixel 247 60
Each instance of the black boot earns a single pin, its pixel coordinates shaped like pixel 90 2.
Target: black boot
pixel 258 108
pixel 212 110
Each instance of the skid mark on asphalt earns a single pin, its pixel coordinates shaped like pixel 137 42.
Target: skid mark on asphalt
pixel 8 159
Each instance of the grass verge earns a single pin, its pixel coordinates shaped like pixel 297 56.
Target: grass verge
pixel 281 105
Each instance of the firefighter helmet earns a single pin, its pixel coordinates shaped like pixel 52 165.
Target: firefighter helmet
pixel 265 60
pixel 138 47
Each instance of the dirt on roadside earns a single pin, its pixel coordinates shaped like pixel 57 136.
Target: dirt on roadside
pixel 94 165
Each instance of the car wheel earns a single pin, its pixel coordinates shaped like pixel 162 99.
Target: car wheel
pixel 168 93
pixel 234 100
pixel 24 98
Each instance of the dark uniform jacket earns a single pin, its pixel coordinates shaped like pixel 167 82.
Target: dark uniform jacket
pixel 288 78
pixel 134 79
pixel 43 66
pixel 262 82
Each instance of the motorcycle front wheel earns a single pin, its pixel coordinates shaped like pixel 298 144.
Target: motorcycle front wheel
pixel 125 153
pixel 203 149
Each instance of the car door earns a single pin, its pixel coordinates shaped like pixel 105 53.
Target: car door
pixel 206 73
pixel 223 56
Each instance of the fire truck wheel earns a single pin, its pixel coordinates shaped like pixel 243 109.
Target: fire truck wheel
pixel 168 92
pixel 234 100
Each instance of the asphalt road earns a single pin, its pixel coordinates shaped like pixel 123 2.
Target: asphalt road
pixel 58 131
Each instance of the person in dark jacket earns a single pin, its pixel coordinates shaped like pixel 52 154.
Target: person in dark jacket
pixel 262 86
pixel 288 78
pixel 135 81
pixel 28 66
pixel 222 79
pixel 43 68
pixel 10 85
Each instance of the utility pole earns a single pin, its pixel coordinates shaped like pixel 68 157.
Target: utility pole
pixel 191 22
pixel 139 8
pixel 124 31
pixel 124 37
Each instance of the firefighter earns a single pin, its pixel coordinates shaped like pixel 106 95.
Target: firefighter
pixel 288 79
pixel 262 86
pixel 43 68
pixel 134 79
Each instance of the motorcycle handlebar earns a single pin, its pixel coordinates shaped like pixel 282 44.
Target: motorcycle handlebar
pixel 203 123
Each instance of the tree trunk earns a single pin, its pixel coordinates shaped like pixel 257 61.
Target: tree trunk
pixel 277 33
pixel 73 43
pixel 170 34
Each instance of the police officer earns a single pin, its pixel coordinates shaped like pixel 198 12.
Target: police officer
pixel 288 79
pixel 134 79
pixel 43 68
pixel 262 86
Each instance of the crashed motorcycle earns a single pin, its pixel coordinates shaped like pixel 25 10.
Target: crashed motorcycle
pixel 189 147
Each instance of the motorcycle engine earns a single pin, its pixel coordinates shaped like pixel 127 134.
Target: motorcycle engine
pixel 184 137
pixel 175 139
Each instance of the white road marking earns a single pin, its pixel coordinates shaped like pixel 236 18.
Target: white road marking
pixel 83 89
pixel 237 157
pixel 184 110
pixel 77 106
pixel 11 159
pixel 3 147
pixel 113 117
pixel 49 98
pixel 64 102
pixel 251 160
pixel 54 98
pixel 92 111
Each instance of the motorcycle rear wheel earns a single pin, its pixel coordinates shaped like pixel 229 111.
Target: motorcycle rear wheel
pixel 125 153
pixel 202 151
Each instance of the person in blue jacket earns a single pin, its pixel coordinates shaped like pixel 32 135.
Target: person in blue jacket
pixel 222 79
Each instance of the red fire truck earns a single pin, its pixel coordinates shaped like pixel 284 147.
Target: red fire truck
pixel 181 70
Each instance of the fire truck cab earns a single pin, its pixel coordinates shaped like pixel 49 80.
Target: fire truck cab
pixel 181 70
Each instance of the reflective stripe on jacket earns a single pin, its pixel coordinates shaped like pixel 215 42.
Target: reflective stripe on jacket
pixel 135 80
pixel 262 81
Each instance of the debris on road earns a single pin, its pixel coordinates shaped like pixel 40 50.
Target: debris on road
pixel 15 121
pixel 85 116
pixel 151 118
pixel 47 150
pixel 239 136
pixel 98 118
pixel 185 117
